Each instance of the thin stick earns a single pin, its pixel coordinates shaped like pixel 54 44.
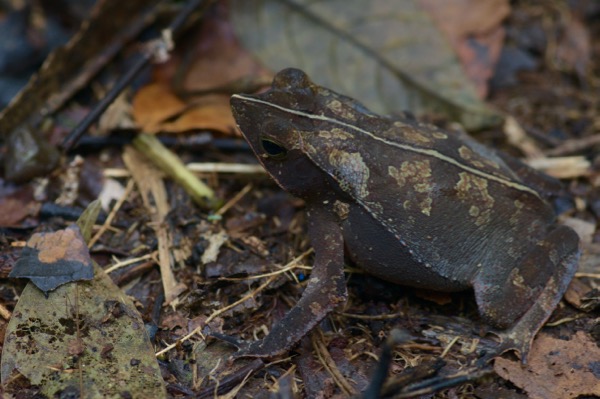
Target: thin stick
pixel 329 364
pixel 238 302
pixel 290 266
pixel 205 167
pixel 113 213
pixel 590 275
pixel 371 317
pixel 127 262
pixel 138 66
pixel 216 313
pixel 4 312
pixel 449 346
pixel 234 200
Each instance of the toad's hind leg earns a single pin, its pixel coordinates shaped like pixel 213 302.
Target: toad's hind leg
pixel 521 300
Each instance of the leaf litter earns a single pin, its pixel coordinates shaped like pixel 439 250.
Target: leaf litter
pixel 238 293
pixel 572 365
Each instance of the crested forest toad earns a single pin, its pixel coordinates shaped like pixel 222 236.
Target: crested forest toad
pixel 410 203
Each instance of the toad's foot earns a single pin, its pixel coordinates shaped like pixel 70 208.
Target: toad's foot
pixel 520 336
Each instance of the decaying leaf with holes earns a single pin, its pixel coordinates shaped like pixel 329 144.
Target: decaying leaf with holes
pixel 50 260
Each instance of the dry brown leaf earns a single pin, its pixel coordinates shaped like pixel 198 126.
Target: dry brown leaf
pixel 583 228
pixel 209 113
pixel 62 244
pixel 562 167
pixel 215 61
pixel 13 211
pixel 454 20
pixel 581 295
pixel 218 57
pixel 16 205
pixel 590 259
pixel 440 298
pixel 156 108
pixel 54 258
pixel 153 104
pixel 215 242
pixel 474 29
pixel 573 51
pixel 557 369
pixel 154 195
pixel 173 321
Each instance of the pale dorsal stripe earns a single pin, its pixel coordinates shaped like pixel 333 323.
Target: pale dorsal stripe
pixel 425 151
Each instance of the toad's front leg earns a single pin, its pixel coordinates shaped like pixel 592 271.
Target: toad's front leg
pixel 326 289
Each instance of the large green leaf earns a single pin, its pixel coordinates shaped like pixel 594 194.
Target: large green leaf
pixel 108 356
pixel 86 339
pixel 387 54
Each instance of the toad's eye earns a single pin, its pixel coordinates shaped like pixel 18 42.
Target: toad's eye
pixel 273 149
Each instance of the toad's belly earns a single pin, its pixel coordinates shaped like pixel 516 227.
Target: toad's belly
pixel 383 255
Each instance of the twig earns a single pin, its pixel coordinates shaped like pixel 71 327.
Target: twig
pixel 172 165
pixel 216 313
pixel 234 200
pixel 436 384
pixel 204 167
pixel 214 167
pixel 293 264
pixel 106 101
pixel 449 346
pixel 329 364
pixel 112 214
pixel 371 317
pixel 5 313
pixel 127 262
pixel 240 301
pixel 145 59
pixel 231 380
pixel 572 146
pixel 590 275
pixel 564 320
